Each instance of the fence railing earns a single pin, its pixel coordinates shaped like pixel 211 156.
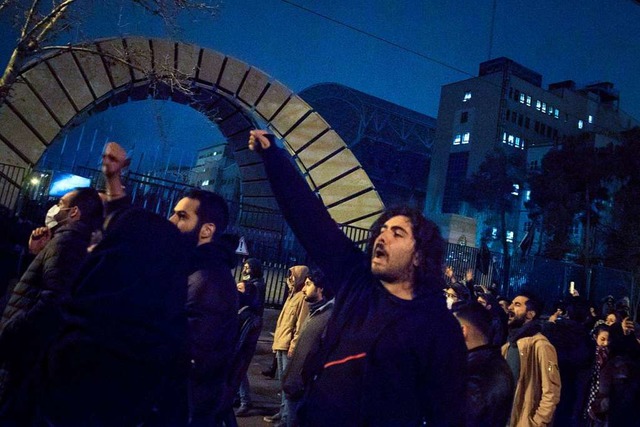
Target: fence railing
pixel 11 178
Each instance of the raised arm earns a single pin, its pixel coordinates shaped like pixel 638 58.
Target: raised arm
pixel 306 215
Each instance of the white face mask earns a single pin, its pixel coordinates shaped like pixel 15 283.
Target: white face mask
pixel 450 302
pixel 50 220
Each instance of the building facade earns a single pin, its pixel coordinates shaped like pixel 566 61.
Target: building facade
pixel 506 105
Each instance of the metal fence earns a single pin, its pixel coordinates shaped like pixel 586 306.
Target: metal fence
pixel 11 179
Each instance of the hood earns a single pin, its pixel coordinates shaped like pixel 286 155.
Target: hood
pixel 300 272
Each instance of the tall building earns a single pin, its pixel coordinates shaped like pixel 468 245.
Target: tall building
pixel 392 143
pixel 507 105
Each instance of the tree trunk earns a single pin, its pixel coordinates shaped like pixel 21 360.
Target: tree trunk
pixel 10 75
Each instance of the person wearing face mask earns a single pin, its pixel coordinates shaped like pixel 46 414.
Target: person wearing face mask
pixel 456 293
pixel 31 317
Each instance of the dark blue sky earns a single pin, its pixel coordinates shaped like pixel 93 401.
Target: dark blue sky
pixel 426 44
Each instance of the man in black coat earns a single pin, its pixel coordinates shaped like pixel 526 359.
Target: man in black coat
pixel 212 302
pixel 32 315
pixel 490 384
pixel 393 354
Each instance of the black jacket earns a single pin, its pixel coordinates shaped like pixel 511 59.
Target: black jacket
pixel 212 310
pixel 123 343
pixel 385 361
pixel 490 388
pixel 32 315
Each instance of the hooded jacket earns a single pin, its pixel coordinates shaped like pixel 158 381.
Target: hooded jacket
pixel 293 314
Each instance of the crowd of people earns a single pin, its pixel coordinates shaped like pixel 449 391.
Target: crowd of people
pixel 125 318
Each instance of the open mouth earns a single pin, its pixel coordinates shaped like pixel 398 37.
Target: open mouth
pixel 379 252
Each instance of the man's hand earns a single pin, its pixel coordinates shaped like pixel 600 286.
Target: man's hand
pixel 555 316
pixel 627 326
pixel 114 159
pixel 241 287
pixel 39 239
pixel 290 353
pixel 259 140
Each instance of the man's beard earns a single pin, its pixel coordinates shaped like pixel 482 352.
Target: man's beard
pixel 190 238
pixel 516 323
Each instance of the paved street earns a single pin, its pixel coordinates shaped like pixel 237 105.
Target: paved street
pixel 264 390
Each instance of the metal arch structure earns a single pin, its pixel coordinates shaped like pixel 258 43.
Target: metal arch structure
pixel 58 89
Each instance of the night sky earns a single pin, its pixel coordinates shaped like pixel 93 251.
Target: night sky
pixel 402 52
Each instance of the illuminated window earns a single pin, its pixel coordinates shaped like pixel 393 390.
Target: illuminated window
pixel 465 138
pixel 544 107
pixel 467 96
pixel 523 98
pixel 517 144
pixel 494 233
pixel 510 140
pixel 510 236
pixel 528 101
pixel 590 119
pixel 516 190
pixel 527 195
pixel 457 139
pixel 580 124
pixel 205 182
pixel 504 137
pixel 538 105
pixel 556 113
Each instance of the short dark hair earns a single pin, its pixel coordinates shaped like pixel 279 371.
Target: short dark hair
pixel 320 280
pixel 212 209
pixel 88 201
pixel 533 302
pixel 429 247
pixel 475 314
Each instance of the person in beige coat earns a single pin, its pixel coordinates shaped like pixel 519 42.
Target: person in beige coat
pixel 534 363
pixel 293 314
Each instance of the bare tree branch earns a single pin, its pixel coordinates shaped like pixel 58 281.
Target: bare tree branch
pixel 28 20
pixel 48 22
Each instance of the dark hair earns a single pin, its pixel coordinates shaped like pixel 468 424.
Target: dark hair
pixel 89 203
pixel 212 209
pixel 256 267
pixel 429 247
pixel 599 328
pixel 533 302
pixel 320 280
pixel 475 314
pixel 461 291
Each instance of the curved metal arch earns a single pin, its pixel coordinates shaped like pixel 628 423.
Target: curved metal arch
pixel 60 87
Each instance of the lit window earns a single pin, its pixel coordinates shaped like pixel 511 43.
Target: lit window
pixel 556 113
pixel 544 107
pixel 522 98
pixel 516 190
pixel 510 236
pixel 527 195
pixel 522 144
pixel 580 124
pixel 465 138
pixel 494 233
pixel 517 141
pixel 550 110
pixel 528 101
pixel 590 119
pixel 510 140
pixel 457 139
pixel 467 96
pixel 205 182
pixel 538 105
pixel 504 137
